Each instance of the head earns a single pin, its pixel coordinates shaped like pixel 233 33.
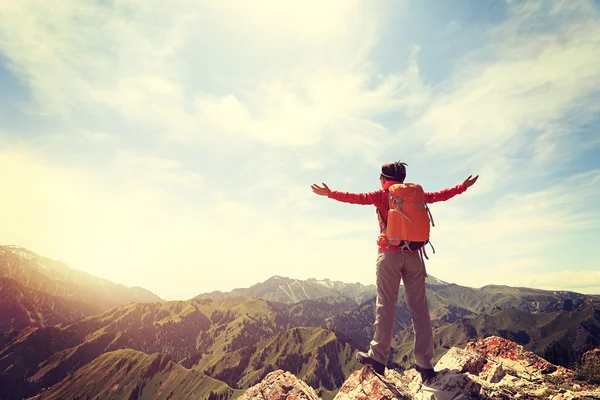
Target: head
pixel 395 171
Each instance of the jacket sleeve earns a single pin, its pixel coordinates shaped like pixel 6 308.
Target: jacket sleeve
pixel 357 198
pixel 446 194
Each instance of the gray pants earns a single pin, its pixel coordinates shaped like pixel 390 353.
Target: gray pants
pixel 391 268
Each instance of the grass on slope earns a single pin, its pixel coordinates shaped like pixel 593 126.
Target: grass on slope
pixel 129 374
pixel 316 355
pixel 555 336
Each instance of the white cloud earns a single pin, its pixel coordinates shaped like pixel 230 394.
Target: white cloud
pixel 157 169
pixel 236 109
pixel 132 58
pixel 519 235
pixel 133 231
pixel 532 89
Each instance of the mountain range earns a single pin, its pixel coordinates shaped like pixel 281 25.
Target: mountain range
pixel 59 279
pixel 62 330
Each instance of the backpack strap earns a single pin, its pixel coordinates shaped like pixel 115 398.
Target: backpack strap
pixel 423 250
pixel 422 253
pixel 430 218
pixel 382 223
pixel 432 248
pixel 405 245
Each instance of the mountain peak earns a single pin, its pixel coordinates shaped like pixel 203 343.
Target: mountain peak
pixel 58 279
pixel 289 290
pixel 19 251
pixel 433 281
pixel 280 385
pixel 488 368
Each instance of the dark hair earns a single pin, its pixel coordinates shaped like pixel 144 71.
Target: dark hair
pixel 395 171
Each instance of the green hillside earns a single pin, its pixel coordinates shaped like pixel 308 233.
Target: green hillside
pixel 22 307
pixel 129 374
pixel 318 312
pixel 318 356
pixel 185 331
pixel 560 337
pixel 230 343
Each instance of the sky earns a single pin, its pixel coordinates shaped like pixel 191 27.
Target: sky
pixel 172 145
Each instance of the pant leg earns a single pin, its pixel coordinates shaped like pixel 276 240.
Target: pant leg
pixel 389 265
pixel 413 275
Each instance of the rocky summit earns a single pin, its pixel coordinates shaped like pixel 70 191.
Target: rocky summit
pixel 490 368
pixel 280 385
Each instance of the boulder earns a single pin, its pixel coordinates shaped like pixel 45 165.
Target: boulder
pixel 280 385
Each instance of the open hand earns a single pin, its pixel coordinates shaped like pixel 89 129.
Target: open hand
pixel 321 191
pixel 470 181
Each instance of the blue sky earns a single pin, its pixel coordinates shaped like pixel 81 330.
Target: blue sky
pixel 171 145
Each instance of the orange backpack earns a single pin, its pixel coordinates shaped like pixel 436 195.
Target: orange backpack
pixel 408 219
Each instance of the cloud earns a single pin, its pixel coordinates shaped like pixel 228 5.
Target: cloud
pixel 134 165
pixel 580 281
pixel 200 126
pixel 131 229
pixel 519 235
pixel 315 75
pixel 524 94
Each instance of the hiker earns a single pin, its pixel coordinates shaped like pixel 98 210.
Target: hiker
pixel 395 263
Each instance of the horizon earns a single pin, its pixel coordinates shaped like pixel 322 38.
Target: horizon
pixel 172 146
pixel 429 277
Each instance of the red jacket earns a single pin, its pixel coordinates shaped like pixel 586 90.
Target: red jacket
pixel 379 199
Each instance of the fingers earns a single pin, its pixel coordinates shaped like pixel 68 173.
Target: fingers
pixel 318 190
pixel 470 181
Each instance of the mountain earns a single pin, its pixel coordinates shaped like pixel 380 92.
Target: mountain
pixel 561 337
pixel 130 374
pixel 453 308
pixel 319 356
pixel 21 307
pixel 318 312
pixel 234 340
pixel 289 291
pixel 486 368
pixel 56 323
pixel 187 332
pixel 42 275
pixel 450 303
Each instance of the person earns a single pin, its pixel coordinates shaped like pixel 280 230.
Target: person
pixel 395 264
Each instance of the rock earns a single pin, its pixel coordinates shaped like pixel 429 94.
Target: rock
pixel 472 362
pixel 492 372
pixel 492 368
pixel 591 357
pixel 462 361
pixel 280 385
pixel 365 385
pixel 447 385
pixel 513 357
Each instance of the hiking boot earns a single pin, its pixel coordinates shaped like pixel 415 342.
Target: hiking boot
pixel 364 359
pixel 426 373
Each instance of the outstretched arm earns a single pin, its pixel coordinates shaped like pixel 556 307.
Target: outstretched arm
pixel 447 194
pixel 345 197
